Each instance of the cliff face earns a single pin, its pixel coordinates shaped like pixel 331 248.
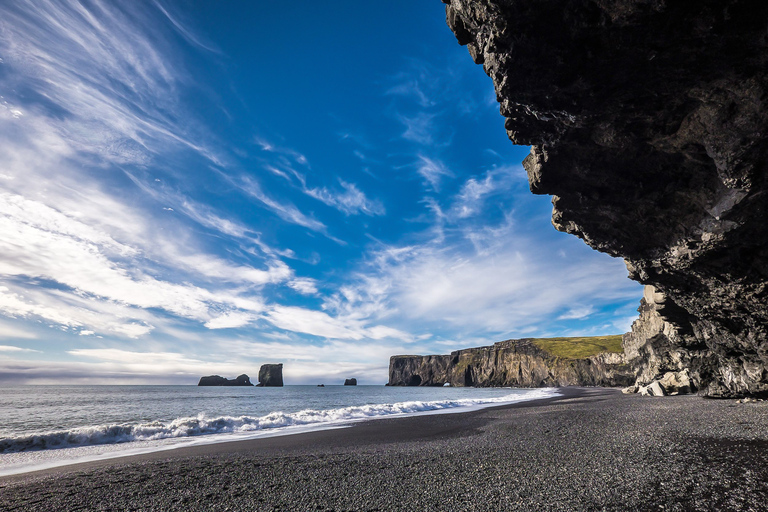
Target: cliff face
pixel 648 123
pixel 518 363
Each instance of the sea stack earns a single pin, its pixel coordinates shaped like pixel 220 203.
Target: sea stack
pixel 271 375
pixel 216 380
pixel 350 382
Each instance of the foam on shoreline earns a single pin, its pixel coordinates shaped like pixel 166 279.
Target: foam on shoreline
pixel 27 453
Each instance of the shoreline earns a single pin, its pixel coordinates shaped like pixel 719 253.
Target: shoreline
pixel 208 444
pixel 589 448
pixel 91 453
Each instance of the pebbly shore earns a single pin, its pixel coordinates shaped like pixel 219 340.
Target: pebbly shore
pixel 590 449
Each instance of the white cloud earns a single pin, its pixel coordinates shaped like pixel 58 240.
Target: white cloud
pixel 286 211
pixel 231 320
pixel 577 313
pixel 103 66
pixel 11 348
pixel 475 191
pixel 432 170
pixel 318 323
pixel 90 261
pixel 500 284
pixel 269 147
pixel 304 285
pixel 419 128
pixel 410 87
pixel 10 331
pixel 351 201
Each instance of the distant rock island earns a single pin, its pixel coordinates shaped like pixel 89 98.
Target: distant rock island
pixel 216 380
pixel 271 375
pixel 350 382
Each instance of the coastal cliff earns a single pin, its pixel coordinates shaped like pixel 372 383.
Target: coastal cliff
pixel 648 122
pixel 519 363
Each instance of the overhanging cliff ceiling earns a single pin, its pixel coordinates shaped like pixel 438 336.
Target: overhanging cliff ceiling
pixel 648 124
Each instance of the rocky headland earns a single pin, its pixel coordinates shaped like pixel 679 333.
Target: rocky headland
pixel 648 122
pixel 518 363
pixel 216 380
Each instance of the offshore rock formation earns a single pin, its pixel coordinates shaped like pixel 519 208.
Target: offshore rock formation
pixel 350 382
pixel 517 363
pixel 649 123
pixel 216 380
pixel 271 375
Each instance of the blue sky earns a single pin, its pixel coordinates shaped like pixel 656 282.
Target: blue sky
pixel 189 188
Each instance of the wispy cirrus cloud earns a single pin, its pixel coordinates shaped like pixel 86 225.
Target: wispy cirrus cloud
pixel 350 201
pixel 100 73
pixel 96 93
pixel 419 128
pixel 475 191
pixel 432 171
pixel 323 325
pixel 285 210
pixel 491 281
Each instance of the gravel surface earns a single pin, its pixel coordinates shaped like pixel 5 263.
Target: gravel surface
pixel 593 449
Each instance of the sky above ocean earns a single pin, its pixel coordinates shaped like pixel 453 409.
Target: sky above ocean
pixel 200 187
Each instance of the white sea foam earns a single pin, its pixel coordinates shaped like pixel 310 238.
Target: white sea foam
pixel 202 425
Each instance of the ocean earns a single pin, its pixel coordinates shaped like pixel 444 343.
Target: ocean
pixel 48 426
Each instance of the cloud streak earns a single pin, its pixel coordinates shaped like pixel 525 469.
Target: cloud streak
pixel 350 202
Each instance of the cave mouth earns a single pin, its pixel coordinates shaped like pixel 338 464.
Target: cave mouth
pixel 414 380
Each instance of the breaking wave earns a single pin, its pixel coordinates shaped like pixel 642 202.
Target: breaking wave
pixel 202 425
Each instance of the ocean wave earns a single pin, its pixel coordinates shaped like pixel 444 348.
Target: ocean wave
pixel 202 425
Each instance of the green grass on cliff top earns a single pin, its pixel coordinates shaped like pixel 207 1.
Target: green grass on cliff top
pixel 578 348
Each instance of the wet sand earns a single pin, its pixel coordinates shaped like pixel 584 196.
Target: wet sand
pixel 591 449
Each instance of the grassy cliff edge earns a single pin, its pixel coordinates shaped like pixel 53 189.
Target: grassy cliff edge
pixel 579 347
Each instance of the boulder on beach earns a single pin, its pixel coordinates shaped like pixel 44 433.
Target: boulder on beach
pixel 217 380
pixel 271 375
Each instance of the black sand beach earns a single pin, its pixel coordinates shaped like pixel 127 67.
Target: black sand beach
pixel 591 449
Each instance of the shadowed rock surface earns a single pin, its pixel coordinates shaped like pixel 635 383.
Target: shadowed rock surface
pixel 517 363
pixel 271 375
pixel 350 382
pixel 216 380
pixel 648 125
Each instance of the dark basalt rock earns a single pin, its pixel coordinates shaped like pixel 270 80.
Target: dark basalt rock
pixel 271 375
pixel 648 121
pixel 350 382
pixel 216 380
pixel 518 363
